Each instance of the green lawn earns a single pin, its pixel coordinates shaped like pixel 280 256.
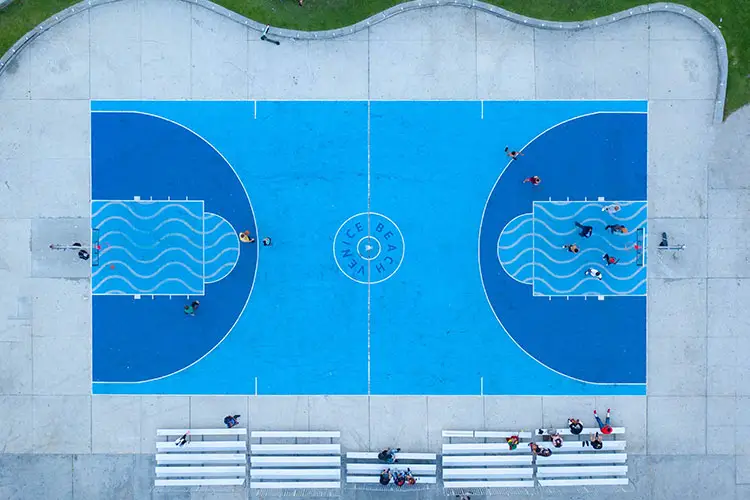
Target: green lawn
pixel 732 15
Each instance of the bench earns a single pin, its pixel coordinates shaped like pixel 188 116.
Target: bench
pixel 575 465
pixel 276 463
pixel 483 460
pixel 211 457
pixel 365 467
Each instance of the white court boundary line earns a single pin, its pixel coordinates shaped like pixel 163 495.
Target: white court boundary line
pixel 479 255
pixel 257 258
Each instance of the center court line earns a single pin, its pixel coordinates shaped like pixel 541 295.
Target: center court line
pixel 369 263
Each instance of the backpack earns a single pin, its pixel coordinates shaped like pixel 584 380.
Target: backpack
pixel 383 455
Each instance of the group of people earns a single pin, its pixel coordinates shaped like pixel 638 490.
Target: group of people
pixel 587 231
pixel 399 477
pixel 576 428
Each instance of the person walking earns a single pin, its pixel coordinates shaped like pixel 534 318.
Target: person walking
pixel 182 440
pixel 231 420
pixel 586 231
pixel 513 155
pixel 616 228
pixel 246 238
pixel 191 308
pixel 594 273
pixel 610 260
pixel 611 209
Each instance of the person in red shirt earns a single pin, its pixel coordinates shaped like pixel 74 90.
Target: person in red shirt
pixel 535 180
pixel 610 260
pixel 604 427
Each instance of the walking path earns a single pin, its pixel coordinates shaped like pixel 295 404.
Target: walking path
pixel 682 436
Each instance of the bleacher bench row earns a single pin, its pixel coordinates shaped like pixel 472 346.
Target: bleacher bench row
pixel 312 460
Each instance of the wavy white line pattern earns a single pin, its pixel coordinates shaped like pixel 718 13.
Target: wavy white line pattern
pixel 222 248
pixel 130 204
pixel 153 247
pixel 556 271
pixel 516 262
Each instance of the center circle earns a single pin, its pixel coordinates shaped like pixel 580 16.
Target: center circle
pixel 369 248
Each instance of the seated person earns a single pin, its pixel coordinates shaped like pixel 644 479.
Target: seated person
pixel 385 477
pixel 575 426
pixel 388 455
pixel 410 479
pixel 557 440
pixel 512 442
pixel 399 478
pixel 596 441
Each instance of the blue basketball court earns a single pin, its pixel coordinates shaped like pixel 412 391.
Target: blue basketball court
pixel 407 255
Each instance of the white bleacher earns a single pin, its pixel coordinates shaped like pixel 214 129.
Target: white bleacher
pixel 577 465
pixel 482 459
pixel 211 457
pixel 365 467
pixel 295 460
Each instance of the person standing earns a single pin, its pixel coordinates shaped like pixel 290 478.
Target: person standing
pixel 586 231
pixel 231 420
pixel 594 273
pixel 513 155
pixel 191 308
pixel 610 260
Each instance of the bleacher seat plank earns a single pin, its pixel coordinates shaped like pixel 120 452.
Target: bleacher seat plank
pixel 489 484
pixel 614 481
pixel 290 461
pixel 198 458
pixel 371 455
pixel 190 446
pixel 378 467
pixel 582 458
pixel 234 431
pixel 479 448
pixel 590 430
pixel 277 485
pixel 295 449
pixel 488 472
pixel 296 434
pixel 501 434
pixel 459 460
pixel 575 446
pixel 588 470
pixel 200 482
pixel 200 471
pixel 268 473
pixel 458 434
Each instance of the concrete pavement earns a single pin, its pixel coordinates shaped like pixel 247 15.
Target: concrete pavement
pixel 59 441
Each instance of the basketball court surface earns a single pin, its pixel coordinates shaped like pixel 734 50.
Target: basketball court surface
pixel 407 254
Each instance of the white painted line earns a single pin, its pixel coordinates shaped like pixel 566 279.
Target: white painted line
pixel 256 386
pixel 601 198
pixel 482 109
pixel 255 110
pixel 136 198
pixel 600 297
pixel 136 296
pixel 481 386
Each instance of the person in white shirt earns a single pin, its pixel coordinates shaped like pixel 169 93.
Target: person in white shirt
pixel 611 209
pixel 594 273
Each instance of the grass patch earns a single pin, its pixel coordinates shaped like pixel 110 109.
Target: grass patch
pixel 732 15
